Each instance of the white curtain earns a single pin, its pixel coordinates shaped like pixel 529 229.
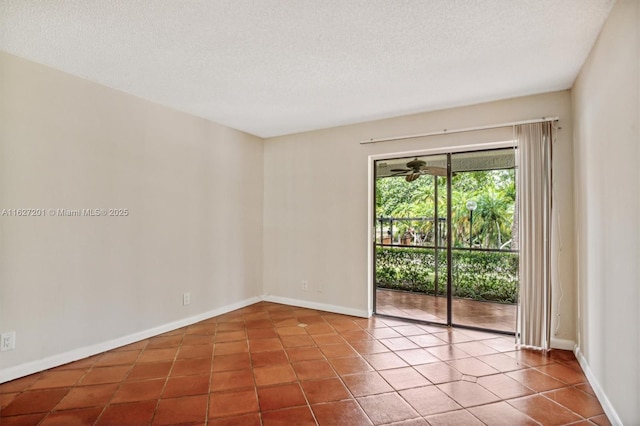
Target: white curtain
pixel 533 179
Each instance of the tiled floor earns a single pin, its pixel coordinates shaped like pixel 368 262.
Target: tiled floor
pixel 279 365
pixel 406 304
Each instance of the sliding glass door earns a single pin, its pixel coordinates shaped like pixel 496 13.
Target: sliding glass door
pixel 446 246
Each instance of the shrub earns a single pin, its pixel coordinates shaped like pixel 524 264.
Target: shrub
pixel 477 275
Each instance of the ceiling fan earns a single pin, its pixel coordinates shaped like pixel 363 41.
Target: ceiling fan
pixel 416 168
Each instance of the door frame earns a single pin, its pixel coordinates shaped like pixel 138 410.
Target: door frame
pixel 371 200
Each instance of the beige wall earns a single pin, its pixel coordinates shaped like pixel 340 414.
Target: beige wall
pixel 316 192
pixel 606 100
pixel 194 194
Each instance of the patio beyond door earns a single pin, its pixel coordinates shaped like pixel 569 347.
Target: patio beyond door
pixel 446 240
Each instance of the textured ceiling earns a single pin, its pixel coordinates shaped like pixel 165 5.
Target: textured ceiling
pixel 274 67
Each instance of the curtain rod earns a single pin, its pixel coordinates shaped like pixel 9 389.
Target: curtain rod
pixel 466 129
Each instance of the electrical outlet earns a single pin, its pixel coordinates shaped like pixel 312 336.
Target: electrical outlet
pixel 7 341
pixel 186 298
pixel 305 286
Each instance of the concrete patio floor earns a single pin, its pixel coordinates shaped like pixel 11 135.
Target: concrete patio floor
pixel 489 315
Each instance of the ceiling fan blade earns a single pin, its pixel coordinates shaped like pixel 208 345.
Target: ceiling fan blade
pixel 400 170
pixel 412 177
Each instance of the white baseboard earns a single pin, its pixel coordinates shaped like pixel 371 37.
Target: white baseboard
pixel 602 396
pixel 318 306
pixel 563 344
pixel 27 368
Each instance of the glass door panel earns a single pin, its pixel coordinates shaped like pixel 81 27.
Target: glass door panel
pixel 411 270
pixel 484 240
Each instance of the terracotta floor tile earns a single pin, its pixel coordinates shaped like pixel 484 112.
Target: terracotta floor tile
pixel 386 408
pixel 384 333
pixel 340 413
pixel 338 351
pixel 118 358
pixel 186 386
pixel 261 333
pixel 562 355
pixel 585 387
pixel 536 380
pixel 86 416
pixel 137 346
pixel 226 404
pixel 563 373
pixel 87 396
pixel 27 419
pixel 175 411
pixel 385 360
pixel 291 331
pixel 85 363
pixel 530 357
pixel 475 348
pixel 398 343
pixel 428 400
pixel 197 339
pixel 304 354
pixel 230 336
pixel 139 391
pixel 99 375
pixel 227 348
pixel 404 378
pixel 453 336
pixel 58 379
pixel 409 330
pixel 502 362
pixel 454 418
pixel 280 396
pixel 544 410
pixel 344 325
pixel 295 357
pixel 319 328
pixel 468 394
pixel 366 347
pixel 228 380
pixel 577 401
pixel 501 344
pixel 426 340
pixel 296 341
pixel 328 339
pixel 299 416
pixel 504 386
pixel 324 390
pixel 265 345
pixel 601 420
pixel 350 365
pixel 6 399
pixel 317 369
pixel 36 401
pixel 274 375
pixel 269 359
pixel 21 384
pixel 501 413
pixel 189 367
pixel 366 384
pixel 164 342
pixel 195 351
pixel 242 420
pixel 239 361
pixel 472 367
pixel 417 356
pixel 447 352
pixel 356 336
pixel 152 370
